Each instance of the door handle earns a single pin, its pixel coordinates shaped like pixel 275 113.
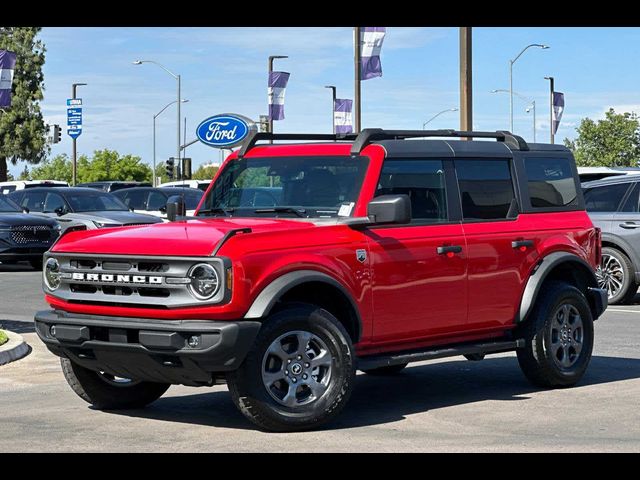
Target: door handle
pixel 522 244
pixel 449 251
pixel 629 225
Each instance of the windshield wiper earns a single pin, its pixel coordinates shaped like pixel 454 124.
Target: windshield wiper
pixel 226 211
pixel 298 211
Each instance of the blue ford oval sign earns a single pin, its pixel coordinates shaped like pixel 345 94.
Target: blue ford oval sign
pixel 225 130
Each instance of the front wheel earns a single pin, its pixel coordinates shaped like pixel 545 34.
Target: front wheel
pixel 108 392
pixel 299 373
pixel 558 336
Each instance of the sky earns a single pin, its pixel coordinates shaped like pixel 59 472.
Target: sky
pixel 225 70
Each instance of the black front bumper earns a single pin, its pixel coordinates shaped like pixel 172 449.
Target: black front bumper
pixel 147 349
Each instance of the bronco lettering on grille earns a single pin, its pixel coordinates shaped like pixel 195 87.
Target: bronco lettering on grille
pixel 110 278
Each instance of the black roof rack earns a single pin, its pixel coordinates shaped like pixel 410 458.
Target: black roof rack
pixel 369 135
pixel 251 141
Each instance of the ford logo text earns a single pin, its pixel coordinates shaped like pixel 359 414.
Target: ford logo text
pixel 224 131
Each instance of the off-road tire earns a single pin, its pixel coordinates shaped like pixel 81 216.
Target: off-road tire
pixel 536 357
pixel 250 394
pixel 89 386
pixel 385 371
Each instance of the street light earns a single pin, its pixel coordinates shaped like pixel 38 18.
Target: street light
pixel 271 59
pixel 154 135
pixel 177 77
pixel 333 106
pixel 511 62
pixel 74 174
pixel 528 100
pixel 438 114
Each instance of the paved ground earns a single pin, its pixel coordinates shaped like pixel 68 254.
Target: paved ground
pixel 448 405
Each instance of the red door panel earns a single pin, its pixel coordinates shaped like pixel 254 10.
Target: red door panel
pixel 417 293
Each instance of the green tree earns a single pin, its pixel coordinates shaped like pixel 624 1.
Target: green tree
pixel 612 142
pixel 57 168
pixel 162 173
pixel 109 165
pixel 25 174
pixel 205 173
pixel 22 128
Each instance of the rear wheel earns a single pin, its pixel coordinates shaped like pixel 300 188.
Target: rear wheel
pixel 559 337
pixel 299 373
pixel 108 392
pixel 617 275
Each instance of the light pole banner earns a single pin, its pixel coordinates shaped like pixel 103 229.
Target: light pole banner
pixel 371 39
pixel 277 86
pixel 558 108
pixel 342 117
pixel 7 67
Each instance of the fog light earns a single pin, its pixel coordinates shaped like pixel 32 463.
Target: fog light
pixel 194 341
pixel 52 330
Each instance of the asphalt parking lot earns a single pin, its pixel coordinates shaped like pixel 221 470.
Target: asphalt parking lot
pixel 449 405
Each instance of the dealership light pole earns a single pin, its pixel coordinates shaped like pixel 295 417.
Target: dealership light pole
pixel 466 79
pixel 511 62
pixel 271 59
pixel 528 100
pixel 333 106
pixel 154 136
pixel 357 100
pixel 177 77
pixel 74 86
pixel 438 114
pixel 551 90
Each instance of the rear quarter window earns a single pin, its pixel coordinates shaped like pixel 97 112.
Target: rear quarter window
pixel 551 182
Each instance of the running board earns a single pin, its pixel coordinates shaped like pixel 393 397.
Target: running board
pixel 377 361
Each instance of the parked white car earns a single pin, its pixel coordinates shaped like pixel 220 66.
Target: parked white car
pixel 199 184
pixel 8 187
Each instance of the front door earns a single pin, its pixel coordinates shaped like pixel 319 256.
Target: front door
pixel 419 270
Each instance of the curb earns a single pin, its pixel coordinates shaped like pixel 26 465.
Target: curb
pixel 14 349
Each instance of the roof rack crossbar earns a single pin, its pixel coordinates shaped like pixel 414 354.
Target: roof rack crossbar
pixel 251 141
pixel 369 135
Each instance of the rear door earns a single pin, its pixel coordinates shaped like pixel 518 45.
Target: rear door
pixel 418 292
pixel 603 202
pixel 625 224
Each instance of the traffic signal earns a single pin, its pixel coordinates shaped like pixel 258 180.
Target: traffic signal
pixel 186 168
pixel 170 167
pixel 56 133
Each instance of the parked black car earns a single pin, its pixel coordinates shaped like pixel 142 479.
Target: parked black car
pixel 112 186
pixel 153 201
pixel 23 236
pixel 613 205
pixel 75 206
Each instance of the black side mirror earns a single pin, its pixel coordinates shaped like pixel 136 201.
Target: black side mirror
pixel 175 207
pixel 390 209
pixel 25 210
pixel 60 211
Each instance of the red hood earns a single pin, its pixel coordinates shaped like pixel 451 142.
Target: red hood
pixel 188 238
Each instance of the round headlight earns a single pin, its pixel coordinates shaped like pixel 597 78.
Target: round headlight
pixel 52 274
pixel 204 281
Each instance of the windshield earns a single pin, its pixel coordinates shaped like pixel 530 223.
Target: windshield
pixel 7 205
pixel 309 187
pixel 98 202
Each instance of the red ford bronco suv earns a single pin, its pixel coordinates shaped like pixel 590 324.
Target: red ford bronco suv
pixel 308 261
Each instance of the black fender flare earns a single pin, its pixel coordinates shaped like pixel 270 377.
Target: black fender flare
pixel 542 271
pixel 268 297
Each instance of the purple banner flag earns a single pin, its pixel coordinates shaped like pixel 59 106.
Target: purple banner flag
pixel 558 109
pixel 342 115
pixel 371 39
pixel 7 66
pixel 277 86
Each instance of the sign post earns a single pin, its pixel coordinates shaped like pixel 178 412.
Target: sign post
pixel 74 124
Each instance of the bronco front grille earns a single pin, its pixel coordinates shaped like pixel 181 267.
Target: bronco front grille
pixel 144 281
pixel 24 234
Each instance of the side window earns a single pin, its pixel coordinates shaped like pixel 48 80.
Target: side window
pixel 191 200
pixel 34 201
pixel 605 199
pixel 52 202
pixel 423 181
pixel 486 189
pixel 551 182
pixel 631 203
pixel 134 200
pixel 156 201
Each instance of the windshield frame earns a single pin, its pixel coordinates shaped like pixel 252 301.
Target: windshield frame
pixel 302 212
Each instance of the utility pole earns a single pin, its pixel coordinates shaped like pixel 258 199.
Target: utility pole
pixel 357 70
pixel 466 80
pixel 551 90
pixel 74 86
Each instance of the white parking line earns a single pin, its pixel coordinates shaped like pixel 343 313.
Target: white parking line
pixel 623 311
